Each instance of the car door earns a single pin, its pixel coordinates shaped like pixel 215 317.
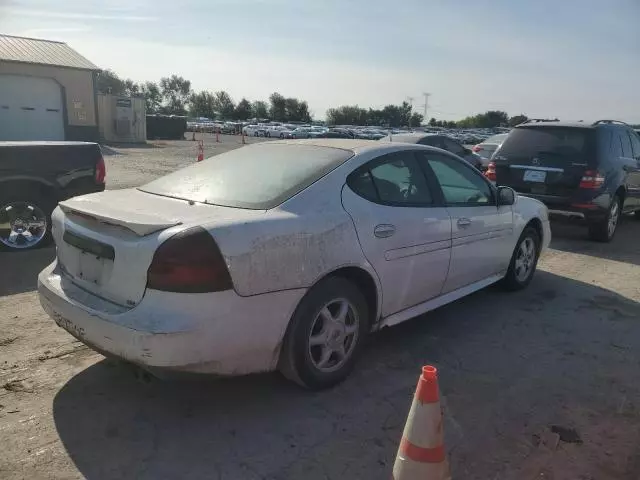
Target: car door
pixel 633 172
pixel 404 233
pixel 481 232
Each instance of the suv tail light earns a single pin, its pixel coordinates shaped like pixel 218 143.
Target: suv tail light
pixel 591 179
pixel 476 148
pixel 101 171
pixel 491 171
pixel 189 262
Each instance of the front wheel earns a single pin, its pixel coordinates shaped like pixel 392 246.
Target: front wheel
pixel 325 334
pixel 523 261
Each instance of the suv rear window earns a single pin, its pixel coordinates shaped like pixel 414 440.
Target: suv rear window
pixel 560 142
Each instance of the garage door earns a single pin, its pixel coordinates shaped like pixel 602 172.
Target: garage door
pixel 30 108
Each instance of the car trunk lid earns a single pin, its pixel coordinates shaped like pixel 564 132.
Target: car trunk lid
pixel 545 160
pixel 106 241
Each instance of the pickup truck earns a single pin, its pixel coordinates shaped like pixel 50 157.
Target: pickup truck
pixel 34 177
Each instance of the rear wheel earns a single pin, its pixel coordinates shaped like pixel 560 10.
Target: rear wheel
pixel 325 334
pixel 25 220
pixel 523 261
pixel 604 230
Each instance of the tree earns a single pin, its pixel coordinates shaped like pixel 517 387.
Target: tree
pixel 243 110
pixel 260 109
pixel 108 81
pixel 176 91
pixel 291 106
pixel 152 96
pixel 416 119
pixel 517 120
pixel 303 112
pixel 224 105
pixel 131 88
pixel 278 110
pixel 202 104
pixel 432 122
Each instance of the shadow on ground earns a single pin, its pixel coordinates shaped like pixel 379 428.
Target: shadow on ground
pixel 19 270
pixel 572 237
pixel 562 352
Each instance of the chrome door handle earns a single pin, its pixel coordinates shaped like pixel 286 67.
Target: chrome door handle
pixel 464 222
pixel 384 230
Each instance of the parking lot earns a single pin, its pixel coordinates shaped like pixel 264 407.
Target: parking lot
pixel 564 352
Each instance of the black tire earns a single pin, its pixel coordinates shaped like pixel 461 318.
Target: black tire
pixel 296 362
pixel 600 231
pixel 268 135
pixel 42 202
pixel 513 281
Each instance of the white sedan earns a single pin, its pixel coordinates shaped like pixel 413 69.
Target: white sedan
pixel 283 255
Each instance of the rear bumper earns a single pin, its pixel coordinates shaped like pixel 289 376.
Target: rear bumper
pixel 570 208
pixel 220 333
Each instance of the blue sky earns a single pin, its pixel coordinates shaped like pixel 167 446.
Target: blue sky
pixel 573 59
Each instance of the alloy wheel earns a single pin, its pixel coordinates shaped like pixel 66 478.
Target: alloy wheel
pixel 22 224
pixel 333 336
pixel 525 259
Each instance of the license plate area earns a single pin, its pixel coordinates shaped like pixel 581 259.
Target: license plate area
pixel 536 176
pixel 86 260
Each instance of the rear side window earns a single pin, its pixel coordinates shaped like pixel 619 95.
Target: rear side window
pixel 560 142
pixel 625 144
pixel 395 179
pixel 635 143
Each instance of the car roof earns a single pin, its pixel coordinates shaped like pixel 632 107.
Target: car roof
pixel 570 125
pixel 357 146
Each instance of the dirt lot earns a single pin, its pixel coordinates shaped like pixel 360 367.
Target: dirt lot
pixel 565 352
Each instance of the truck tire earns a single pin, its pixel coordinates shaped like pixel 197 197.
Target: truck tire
pixel 25 220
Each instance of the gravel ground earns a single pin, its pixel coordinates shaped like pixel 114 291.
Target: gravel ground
pixel 563 353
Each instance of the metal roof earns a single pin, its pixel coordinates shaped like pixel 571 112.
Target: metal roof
pixel 43 52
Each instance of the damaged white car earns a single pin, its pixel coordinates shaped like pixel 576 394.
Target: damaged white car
pixel 283 255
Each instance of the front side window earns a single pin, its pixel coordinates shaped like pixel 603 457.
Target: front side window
pixel 393 179
pixel 460 184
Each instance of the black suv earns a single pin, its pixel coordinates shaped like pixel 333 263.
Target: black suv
pixel 589 171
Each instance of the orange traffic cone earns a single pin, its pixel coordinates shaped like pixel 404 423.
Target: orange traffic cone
pixel 200 151
pixel 421 454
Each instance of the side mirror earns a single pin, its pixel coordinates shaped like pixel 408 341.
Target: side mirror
pixel 506 196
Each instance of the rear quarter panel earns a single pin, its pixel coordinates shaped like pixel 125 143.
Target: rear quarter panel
pixel 296 244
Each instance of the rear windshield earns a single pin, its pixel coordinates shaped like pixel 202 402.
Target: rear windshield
pixel 565 142
pixel 258 176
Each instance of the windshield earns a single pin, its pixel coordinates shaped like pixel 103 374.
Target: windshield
pixel 259 176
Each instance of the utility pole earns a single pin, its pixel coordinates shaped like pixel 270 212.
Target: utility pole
pixel 426 105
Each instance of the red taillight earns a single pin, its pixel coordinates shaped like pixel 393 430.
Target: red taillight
pixel 101 171
pixel 491 171
pixel 591 179
pixel 189 262
pixel 476 148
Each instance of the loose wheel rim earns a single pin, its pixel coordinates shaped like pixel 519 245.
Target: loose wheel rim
pixel 525 259
pixel 22 224
pixel 333 335
pixel 613 218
